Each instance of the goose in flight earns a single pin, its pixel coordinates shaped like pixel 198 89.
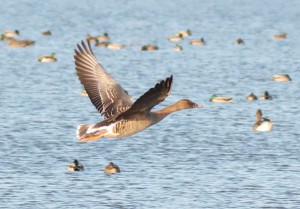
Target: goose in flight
pixel 122 117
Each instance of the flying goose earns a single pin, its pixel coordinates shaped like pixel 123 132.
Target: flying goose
pixel 122 116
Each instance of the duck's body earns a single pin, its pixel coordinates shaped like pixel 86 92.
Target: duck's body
pixel 103 38
pixel 5 38
pixel 47 33
pixel 239 41
pixel 90 38
pixel 177 48
pixel 184 33
pixel 11 33
pixel 111 168
pixel 220 99
pixel 266 96
pixel 149 47
pixel 251 97
pixel 122 117
pixel 75 166
pixel 197 42
pixel 101 43
pixel 262 124
pixel 176 38
pixel 281 78
pixel 114 46
pixel 280 36
pixel 48 58
pixel 19 43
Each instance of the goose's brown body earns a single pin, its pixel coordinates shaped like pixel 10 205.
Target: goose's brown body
pixel 122 117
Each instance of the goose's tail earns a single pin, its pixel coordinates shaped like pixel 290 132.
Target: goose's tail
pixel 85 133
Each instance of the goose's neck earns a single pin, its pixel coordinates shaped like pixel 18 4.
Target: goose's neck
pixel 167 111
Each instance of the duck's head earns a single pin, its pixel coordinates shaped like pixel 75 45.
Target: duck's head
pixel 213 97
pixel 258 115
pixel 144 48
pixel 76 162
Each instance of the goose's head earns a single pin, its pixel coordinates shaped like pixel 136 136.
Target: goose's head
pixel 187 104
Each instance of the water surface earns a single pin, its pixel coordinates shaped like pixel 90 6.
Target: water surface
pixel 204 158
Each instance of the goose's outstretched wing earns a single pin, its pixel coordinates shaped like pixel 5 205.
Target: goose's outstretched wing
pixel 151 98
pixel 105 93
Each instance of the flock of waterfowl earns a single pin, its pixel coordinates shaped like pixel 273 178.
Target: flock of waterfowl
pixel 122 116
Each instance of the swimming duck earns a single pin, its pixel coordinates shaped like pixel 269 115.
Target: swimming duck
pixel 281 78
pixel 114 46
pixel 197 42
pixel 19 43
pixel 266 96
pixel 239 41
pixel 103 38
pixel 176 38
pixel 11 33
pixel 90 38
pixel 262 124
pixel 75 166
pixel 251 97
pixel 122 117
pixel 280 36
pixel 47 33
pixel 111 168
pixel 184 32
pixel 149 47
pixel 220 99
pixel 48 58
pixel 177 48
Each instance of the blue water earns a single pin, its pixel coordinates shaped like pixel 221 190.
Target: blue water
pixel 200 158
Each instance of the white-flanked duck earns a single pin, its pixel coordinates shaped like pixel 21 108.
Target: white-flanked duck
pixel 281 78
pixel 251 97
pixel 48 58
pixel 184 32
pixel 111 168
pixel 262 124
pixel 197 42
pixel 177 48
pixel 122 116
pixel 266 96
pixel 220 99
pixel 176 38
pixel 11 33
pixel 75 166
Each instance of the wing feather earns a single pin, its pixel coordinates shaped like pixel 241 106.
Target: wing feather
pixel 105 93
pixel 151 98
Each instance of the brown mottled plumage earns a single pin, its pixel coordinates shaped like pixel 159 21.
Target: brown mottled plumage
pixel 122 117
